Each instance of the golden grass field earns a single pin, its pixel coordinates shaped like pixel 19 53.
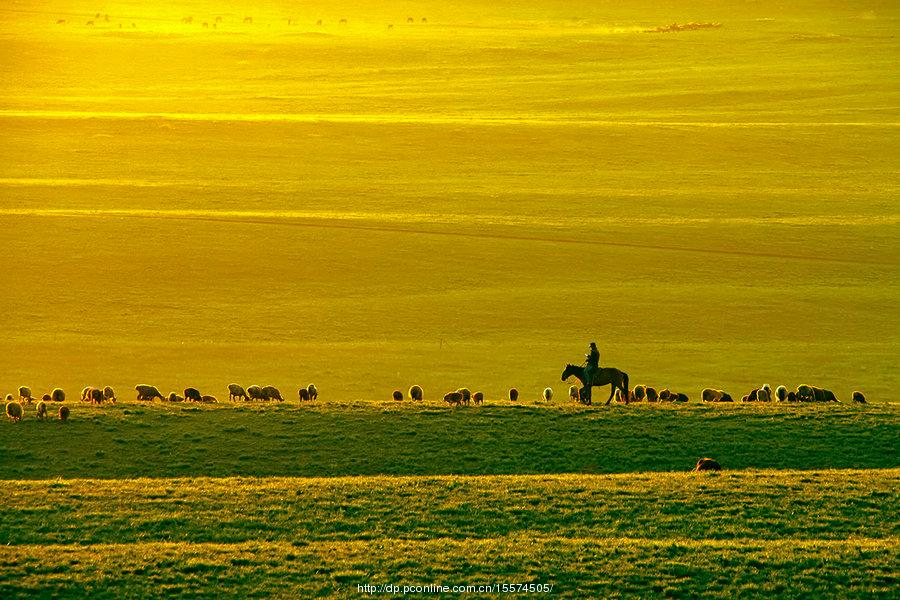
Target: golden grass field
pixel 462 201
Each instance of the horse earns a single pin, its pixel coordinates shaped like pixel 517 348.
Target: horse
pixel 614 378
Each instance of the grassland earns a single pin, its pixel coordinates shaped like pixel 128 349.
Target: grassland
pixel 466 201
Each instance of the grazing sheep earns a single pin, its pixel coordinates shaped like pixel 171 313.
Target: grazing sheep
pixel 768 389
pixel 639 393
pixel 173 397
pixel 764 395
pixel 478 398
pixel 652 396
pixel 753 396
pixel 254 392
pixel 58 395
pixel 707 464
pixel 547 394
pixel 416 393
pixel 209 399
pixel 248 20
pixel 109 394
pixel 664 395
pixel 63 413
pixel 147 392
pixel 97 396
pixel 792 397
pixel 313 392
pixel 424 20
pixel 192 394
pixel 709 395
pixel 236 392
pixel 680 397
pixel 513 394
pixel 781 393
pixel 745 398
pixel 828 396
pixel 270 392
pixel 303 394
pixel 84 393
pixel 859 398
pixel 342 22
pixel 9 397
pixel 46 398
pixel 819 394
pixel 398 395
pixel 25 394
pixel 41 412
pixel 725 397
pixel 454 398
pixel 410 20
pixel 574 393
pixel 14 411
pixel 805 393
pixel 466 394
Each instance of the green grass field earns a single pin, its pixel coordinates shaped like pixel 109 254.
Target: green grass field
pixel 466 201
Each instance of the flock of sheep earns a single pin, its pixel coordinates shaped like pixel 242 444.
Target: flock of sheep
pixel 803 393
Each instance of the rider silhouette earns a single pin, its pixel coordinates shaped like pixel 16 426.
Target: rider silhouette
pixel 591 363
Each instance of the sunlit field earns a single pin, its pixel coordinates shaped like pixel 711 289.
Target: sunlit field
pixel 370 195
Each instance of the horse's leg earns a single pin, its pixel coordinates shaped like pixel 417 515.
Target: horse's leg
pixel 612 392
pixel 586 394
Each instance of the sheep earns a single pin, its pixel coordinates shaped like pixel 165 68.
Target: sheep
pixel 478 398
pixel 41 412
pixel 466 394
pixel 454 398
pixel 828 396
pixel 680 397
pixel 209 399
pixel 707 464
pixel 781 393
pixel 270 392
pixel 768 389
pixel 711 395
pixel 819 394
pixel 639 393
pixel 513 394
pixel 416 393
pixel 313 391
pixel 574 393
pixel 303 394
pixel 46 398
pixel 97 396
pixel 753 396
pixel 652 396
pixel 63 413
pixel 664 395
pixel 398 395
pixel 84 394
pixel 236 392
pixel 745 398
pixel 859 398
pixel 9 397
pixel 805 393
pixel 342 22
pixel 764 395
pixel 109 394
pixel 424 20
pixel 547 394
pixel 174 397
pixel 192 394
pixel 248 20
pixel 319 22
pixel 410 20
pixel 25 394
pixel 792 397
pixel 14 411
pixel 254 392
pixel 147 392
pixel 58 395
pixel 725 397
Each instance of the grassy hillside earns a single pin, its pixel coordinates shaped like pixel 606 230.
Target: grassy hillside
pixel 361 438
pixel 752 533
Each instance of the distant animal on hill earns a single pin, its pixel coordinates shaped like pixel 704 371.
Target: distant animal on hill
pixel 805 393
pixel 453 398
pixel 109 394
pixel 63 414
pixel 614 378
pixel 25 394
pixel 781 393
pixel 397 395
pixel 248 20
pixel 96 396
pixel 46 398
pixel 828 396
pixel 61 22
pixel 147 392
pixel 192 394
pixel 41 410
pixel 466 394
pixel 513 394
pixel 14 411
pixel 792 396
pixel 547 394
pixel 639 393
pixel 574 393
pixel 859 398
pixel 85 394
pixel 254 392
pixel 416 393
pixel 342 22
pixel 679 397
pixel 173 397
pixel 664 395
pixel 478 398
pixel 209 399
pixel 270 392
pixel 58 395
pixel 410 20
pixel 303 394
pixel 713 395
pixel 313 392
pixel 236 392
pixel 707 464
pixel 319 22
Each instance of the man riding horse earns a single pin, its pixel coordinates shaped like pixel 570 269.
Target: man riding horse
pixel 591 362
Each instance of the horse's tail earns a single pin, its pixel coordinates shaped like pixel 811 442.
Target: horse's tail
pixel 625 383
